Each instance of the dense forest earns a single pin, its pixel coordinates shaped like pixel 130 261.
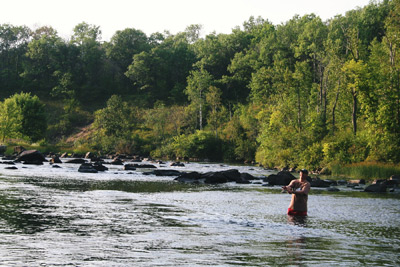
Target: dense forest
pixel 302 93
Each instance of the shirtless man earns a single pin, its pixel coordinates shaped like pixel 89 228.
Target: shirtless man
pixel 299 190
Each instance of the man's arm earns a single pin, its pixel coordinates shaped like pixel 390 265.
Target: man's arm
pixel 289 188
pixel 303 191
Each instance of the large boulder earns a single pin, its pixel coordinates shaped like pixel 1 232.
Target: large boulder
pixel 3 149
pixel 31 157
pixel 232 175
pixel 376 188
pixel 214 178
pixel 281 178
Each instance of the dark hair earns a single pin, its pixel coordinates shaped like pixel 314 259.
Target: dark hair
pixel 304 171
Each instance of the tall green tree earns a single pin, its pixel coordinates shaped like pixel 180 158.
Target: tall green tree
pixel 23 115
pixel 13 45
pixel 44 58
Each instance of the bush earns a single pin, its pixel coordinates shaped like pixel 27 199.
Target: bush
pixel 201 145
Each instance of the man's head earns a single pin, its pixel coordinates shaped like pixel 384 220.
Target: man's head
pixel 304 172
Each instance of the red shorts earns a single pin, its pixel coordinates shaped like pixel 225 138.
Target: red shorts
pixel 296 212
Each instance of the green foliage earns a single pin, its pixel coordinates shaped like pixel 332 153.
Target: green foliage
pixel 200 145
pixel 22 115
pixel 113 125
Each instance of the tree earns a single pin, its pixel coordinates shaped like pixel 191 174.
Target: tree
pixel 215 116
pixel 124 45
pixel 23 115
pixel 161 73
pixel 33 116
pixel 10 122
pixel 199 82
pixel 13 45
pixel 354 74
pixel 44 58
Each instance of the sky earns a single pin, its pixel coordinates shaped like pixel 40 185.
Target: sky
pixel 151 16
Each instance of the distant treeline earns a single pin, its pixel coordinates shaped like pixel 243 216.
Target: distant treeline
pixel 303 93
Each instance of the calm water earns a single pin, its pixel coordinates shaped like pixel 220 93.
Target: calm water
pixel 59 217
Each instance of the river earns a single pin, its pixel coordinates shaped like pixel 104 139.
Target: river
pixel 60 217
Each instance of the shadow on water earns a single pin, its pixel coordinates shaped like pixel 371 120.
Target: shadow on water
pixel 23 216
pixel 116 185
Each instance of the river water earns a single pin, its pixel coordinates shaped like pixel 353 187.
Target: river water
pixel 60 217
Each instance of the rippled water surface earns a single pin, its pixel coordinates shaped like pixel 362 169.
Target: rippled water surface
pixel 60 217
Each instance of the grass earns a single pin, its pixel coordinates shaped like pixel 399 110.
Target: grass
pixel 47 148
pixel 366 170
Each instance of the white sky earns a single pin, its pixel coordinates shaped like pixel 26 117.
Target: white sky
pixel 158 15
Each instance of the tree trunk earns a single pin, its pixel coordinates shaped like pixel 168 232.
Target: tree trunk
pixel 201 112
pixel 354 117
pixel 299 110
pixel 334 108
pixel 200 117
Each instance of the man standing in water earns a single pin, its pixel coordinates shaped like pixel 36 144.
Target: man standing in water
pixel 299 189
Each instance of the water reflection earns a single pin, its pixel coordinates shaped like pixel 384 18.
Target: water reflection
pixel 296 250
pixel 297 220
pixel 296 243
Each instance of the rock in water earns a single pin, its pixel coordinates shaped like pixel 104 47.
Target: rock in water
pixel 87 168
pixel 281 178
pixel 31 157
pixel 376 188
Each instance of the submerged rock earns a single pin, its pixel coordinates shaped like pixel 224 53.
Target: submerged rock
pixel 177 164
pixel 132 167
pixel 11 168
pixel 163 173
pixel 76 161
pixel 333 189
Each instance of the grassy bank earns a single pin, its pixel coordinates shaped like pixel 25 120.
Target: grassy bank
pixel 47 148
pixel 366 170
